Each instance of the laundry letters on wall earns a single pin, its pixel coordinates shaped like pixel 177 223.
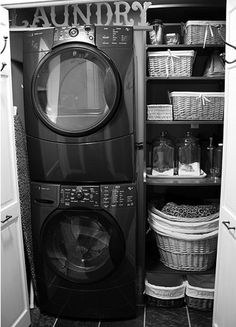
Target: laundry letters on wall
pixel 117 13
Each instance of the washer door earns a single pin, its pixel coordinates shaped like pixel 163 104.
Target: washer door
pixel 81 245
pixel 75 89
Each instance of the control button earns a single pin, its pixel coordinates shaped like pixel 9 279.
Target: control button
pixel 73 32
pixel 91 37
pixel 79 194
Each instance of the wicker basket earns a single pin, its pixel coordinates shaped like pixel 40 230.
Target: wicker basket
pixel 159 112
pixel 200 292
pixel 197 105
pixel 171 303
pixel 170 63
pixel 183 227
pixel 165 295
pixel 187 252
pixel 204 32
pixel 153 209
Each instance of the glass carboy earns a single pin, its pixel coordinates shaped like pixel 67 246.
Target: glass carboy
pixel 218 160
pixel 163 156
pixel 189 153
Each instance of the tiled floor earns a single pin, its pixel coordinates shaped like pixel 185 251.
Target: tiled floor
pixel 147 317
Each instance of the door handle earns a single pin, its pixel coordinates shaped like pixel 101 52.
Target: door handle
pixel 3 66
pixel 6 219
pixel 5 44
pixel 227 225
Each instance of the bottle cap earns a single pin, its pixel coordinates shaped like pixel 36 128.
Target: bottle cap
pixel 156 22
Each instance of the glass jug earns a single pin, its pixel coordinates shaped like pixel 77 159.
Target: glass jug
pixel 218 160
pixel 163 156
pixel 189 153
pixel 156 34
pixel 210 158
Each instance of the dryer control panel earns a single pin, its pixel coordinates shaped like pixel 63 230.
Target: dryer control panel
pixel 114 36
pixel 74 34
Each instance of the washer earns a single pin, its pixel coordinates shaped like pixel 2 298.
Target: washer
pixel 84 249
pixel 79 107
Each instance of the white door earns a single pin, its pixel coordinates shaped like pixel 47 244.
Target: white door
pixel 14 295
pixel 225 288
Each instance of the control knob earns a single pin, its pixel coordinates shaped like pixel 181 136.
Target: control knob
pixel 73 32
pixel 79 194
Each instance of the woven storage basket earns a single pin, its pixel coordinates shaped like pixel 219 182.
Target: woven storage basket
pixel 187 252
pixel 200 291
pixel 166 290
pixel 183 227
pixel 153 209
pixel 159 112
pixel 197 105
pixel 204 32
pixel 170 63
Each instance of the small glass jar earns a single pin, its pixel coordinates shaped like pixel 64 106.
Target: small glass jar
pixel 156 34
pixel 171 38
pixel 189 153
pixel 163 156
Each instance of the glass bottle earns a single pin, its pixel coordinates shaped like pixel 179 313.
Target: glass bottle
pixel 189 153
pixel 210 157
pixel 163 156
pixel 218 160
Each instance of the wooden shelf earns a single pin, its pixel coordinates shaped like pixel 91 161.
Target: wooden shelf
pixel 186 78
pixel 183 46
pixel 183 182
pixel 184 122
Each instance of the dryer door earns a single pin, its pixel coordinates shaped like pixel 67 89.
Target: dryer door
pixel 75 89
pixel 81 245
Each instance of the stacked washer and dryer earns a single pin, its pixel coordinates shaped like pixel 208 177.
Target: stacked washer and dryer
pixel 79 119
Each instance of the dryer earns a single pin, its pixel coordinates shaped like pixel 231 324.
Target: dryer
pixel 79 104
pixel 84 249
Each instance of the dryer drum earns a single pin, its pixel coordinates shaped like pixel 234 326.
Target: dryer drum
pixel 81 245
pixel 75 89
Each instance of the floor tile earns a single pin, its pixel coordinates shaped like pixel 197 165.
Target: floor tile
pixel 136 322
pixel 40 320
pixel 200 318
pixel 76 323
pixel 166 317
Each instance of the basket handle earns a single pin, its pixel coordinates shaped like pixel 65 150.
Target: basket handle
pixel 170 57
pixel 208 27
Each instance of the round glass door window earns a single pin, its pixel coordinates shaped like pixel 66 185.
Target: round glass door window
pixel 81 245
pixel 75 89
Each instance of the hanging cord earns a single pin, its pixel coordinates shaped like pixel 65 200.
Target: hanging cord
pixel 230 45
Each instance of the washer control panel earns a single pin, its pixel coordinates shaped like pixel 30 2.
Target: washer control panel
pixel 74 196
pixel 94 196
pixel 74 34
pixel 113 196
